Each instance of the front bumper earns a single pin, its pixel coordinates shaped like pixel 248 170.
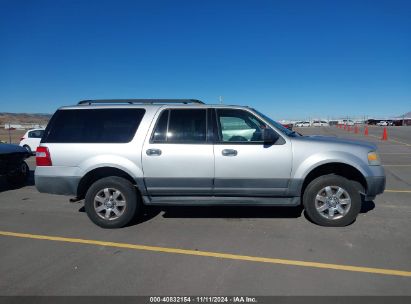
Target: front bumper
pixel 375 186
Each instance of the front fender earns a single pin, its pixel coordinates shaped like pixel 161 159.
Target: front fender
pixel 321 158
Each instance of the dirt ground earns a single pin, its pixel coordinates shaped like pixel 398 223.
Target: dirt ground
pixel 14 134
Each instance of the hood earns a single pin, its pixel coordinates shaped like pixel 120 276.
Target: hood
pixel 336 140
pixel 9 149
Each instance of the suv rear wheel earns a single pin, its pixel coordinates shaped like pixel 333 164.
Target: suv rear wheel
pixel 332 200
pixel 112 202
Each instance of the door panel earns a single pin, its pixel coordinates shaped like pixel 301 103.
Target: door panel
pixel 177 160
pixel 179 170
pixel 255 170
pixel 243 164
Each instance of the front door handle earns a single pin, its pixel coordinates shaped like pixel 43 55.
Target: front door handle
pixel 153 152
pixel 229 152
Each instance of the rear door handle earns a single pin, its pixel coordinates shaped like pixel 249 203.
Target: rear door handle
pixel 229 152
pixel 153 152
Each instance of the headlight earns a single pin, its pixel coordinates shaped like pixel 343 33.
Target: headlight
pixel 373 159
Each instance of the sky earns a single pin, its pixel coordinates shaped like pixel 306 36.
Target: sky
pixel 289 59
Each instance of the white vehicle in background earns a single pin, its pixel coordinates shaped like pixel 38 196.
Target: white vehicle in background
pixel 382 123
pixel 305 124
pixel 346 122
pixel 320 123
pixel 31 140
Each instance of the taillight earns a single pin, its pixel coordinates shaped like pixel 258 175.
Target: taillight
pixel 22 138
pixel 43 157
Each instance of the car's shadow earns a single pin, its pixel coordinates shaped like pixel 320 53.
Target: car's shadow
pixel 366 206
pixel 229 212
pixel 6 186
pixel 147 214
pixel 226 212
pixel 232 212
pixel 238 212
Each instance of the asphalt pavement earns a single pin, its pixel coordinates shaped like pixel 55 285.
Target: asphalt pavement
pixel 49 246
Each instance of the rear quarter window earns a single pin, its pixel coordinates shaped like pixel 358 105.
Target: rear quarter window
pixel 93 126
pixel 36 134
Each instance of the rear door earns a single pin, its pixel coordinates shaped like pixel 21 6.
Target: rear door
pixel 244 165
pixel 178 156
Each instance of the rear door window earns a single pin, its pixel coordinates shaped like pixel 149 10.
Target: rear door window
pixel 93 126
pixel 181 126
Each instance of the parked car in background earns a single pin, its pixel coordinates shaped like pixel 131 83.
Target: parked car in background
pixel 12 164
pixel 302 124
pixel 382 123
pixel 320 123
pixel 119 155
pixel 289 126
pixel 31 140
pixel 347 122
pixel 305 124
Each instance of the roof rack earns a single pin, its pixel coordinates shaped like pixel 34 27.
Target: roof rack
pixel 144 101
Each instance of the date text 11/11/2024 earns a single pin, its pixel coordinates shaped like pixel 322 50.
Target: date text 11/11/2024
pixel 203 299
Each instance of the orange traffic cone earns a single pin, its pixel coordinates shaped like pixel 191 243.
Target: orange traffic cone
pixel 384 134
pixel 349 129
pixel 366 131
pixel 356 130
pixel 345 127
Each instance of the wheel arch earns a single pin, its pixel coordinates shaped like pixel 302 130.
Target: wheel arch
pixel 339 168
pixel 101 172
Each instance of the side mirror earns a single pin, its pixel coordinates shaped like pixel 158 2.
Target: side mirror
pixel 269 136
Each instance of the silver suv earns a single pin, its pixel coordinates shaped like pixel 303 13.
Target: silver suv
pixel 119 155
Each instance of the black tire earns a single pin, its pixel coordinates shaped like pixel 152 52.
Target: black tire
pixel 315 186
pixel 28 149
pixel 20 176
pixel 132 204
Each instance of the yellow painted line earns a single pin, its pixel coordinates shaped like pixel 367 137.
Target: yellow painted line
pixel 229 256
pixel 397 191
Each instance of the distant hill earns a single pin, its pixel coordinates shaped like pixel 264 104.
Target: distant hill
pixel 32 118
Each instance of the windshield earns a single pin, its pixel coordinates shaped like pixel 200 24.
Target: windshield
pixel 277 125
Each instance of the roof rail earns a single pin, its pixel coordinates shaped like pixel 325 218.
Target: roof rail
pixel 144 101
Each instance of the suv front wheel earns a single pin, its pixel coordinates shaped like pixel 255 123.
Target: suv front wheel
pixel 112 202
pixel 332 200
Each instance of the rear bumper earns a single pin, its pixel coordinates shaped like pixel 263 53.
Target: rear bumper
pixel 66 185
pixel 375 186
